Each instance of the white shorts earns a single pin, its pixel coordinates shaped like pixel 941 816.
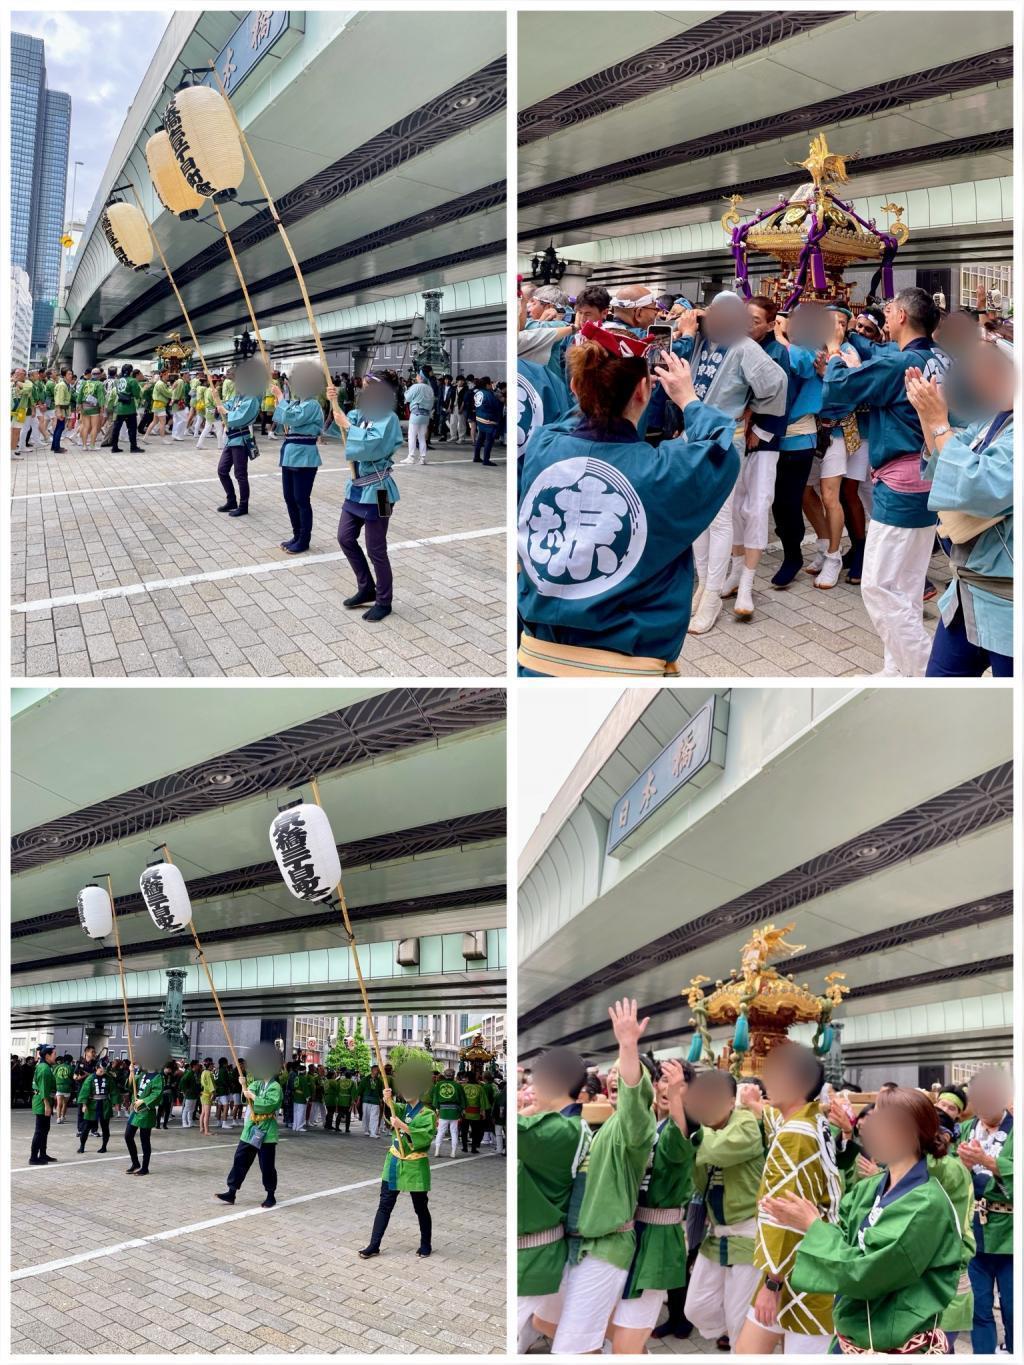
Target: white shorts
pixel 795 1343
pixel 63 1094
pixel 641 1312
pixel 857 466
pixel 592 1289
pixel 236 1099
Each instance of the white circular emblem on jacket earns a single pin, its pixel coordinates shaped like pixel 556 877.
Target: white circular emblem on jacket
pixel 582 529
pixel 530 411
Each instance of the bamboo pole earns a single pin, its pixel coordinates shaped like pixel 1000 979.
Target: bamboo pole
pixel 209 977
pixel 277 223
pixel 343 906
pixel 177 295
pixel 124 989
pixel 238 271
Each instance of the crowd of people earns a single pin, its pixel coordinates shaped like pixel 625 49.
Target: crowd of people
pixel 775 1212
pixel 61 411
pixel 660 443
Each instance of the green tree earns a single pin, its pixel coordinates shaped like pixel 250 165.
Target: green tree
pixel 403 1052
pixel 357 1058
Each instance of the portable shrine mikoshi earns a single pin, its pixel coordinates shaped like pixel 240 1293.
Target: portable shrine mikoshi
pixel 476 1056
pixel 814 235
pixel 761 1004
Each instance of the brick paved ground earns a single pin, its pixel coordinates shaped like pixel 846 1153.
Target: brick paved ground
pixel 801 631
pixel 449 615
pixel 282 1281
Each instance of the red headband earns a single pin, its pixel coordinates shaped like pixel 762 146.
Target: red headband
pixel 615 343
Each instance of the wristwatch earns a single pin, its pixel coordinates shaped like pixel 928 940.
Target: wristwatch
pixel 773 1285
pixel 939 431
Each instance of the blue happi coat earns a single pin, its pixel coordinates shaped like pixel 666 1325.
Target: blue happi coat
pixel 970 475
pixel 605 529
pixel 542 397
pixel 893 425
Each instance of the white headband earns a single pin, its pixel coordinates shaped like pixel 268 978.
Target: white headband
pixel 644 301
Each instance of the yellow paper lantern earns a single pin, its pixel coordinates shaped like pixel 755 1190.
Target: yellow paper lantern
pixel 176 194
pixel 127 231
pixel 205 142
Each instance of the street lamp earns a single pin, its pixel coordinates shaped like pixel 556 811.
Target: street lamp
pixel 549 268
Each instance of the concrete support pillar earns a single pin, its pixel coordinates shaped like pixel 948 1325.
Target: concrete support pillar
pixel 84 348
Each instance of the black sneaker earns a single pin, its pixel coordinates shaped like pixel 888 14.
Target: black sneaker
pixel 269 1202
pixel 361 599
pixel 376 613
pixel 228 507
pixel 423 1251
pixel 239 512
pixel 36 1161
pixel 227 1198
pixel 367 1252
pixel 49 1160
pixel 133 1169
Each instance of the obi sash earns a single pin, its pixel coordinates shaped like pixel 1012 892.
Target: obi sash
pixel 555 660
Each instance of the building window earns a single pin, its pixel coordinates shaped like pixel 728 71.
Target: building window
pixel 997 279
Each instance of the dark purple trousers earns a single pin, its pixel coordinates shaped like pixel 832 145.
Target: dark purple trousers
pixel 376 529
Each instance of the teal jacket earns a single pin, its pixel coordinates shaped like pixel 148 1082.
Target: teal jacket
pixel 370 445
pixel 303 417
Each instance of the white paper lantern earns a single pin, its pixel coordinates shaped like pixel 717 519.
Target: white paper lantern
pixel 125 228
pixel 166 895
pixel 204 140
pixel 306 852
pixel 175 193
pixel 94 911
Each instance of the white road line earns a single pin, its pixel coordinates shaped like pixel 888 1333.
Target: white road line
pixel 49 1267
pixel 218 575
pixel 95 1161
pixel 184 483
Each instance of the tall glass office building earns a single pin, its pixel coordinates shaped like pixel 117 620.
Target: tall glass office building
pixel 40 136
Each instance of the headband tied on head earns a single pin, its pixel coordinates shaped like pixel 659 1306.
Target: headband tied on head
pixel 615 343
pixel 644 301
pixel 953 1099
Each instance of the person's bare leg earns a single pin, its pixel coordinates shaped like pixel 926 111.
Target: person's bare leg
pixel 755 1340
pixel 629 1341
pixel 815 513
pixel 830 489
pixel 854 508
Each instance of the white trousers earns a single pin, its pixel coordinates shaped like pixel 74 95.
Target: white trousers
pixel 796 1344
pixel 318 1114
pixel 449 1127
pixel 718 1297
pixel 499 1138
pixel 217 427
pixel 892 584
pixel 418 437
pixel 753 498
pixel 371 1118
pixel 298 1115
pixel 188 1109
pixel 712 550
pixel 179 423
pixel 592 1289
pixel 30 427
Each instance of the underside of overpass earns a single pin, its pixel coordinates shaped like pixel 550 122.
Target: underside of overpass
pixel 387 170
pixel 634 134
pixel 413 781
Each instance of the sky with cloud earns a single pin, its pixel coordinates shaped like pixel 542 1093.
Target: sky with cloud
pixel 99 58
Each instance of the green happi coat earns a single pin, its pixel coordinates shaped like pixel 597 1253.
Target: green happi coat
pixel 62 1077
pixel 893 1275
pixel 87 1097
pixel 406 1166
pixel 150 1088
pixel 997 1231
pixel 262 1111
pixel 346 1088
pixel 660 1258
pixel 728 1165
pixel 610 1175
pixel 550 1147
pixel 801 1159
pixel 447 1098
pixel 43 1087
pixel 474 1098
